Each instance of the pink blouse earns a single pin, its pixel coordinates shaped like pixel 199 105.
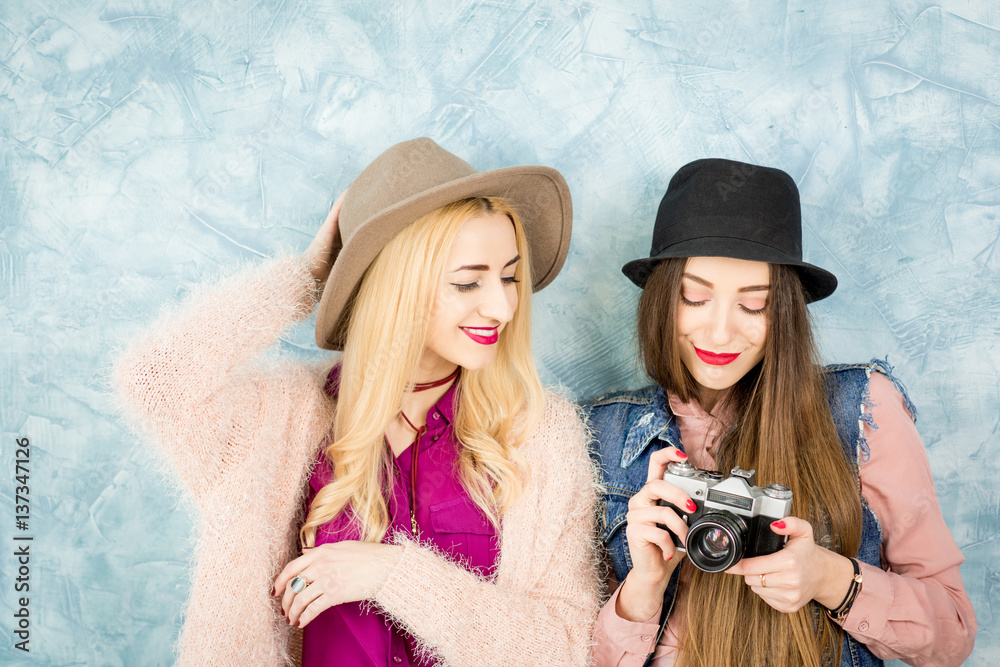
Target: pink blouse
pixel 916 610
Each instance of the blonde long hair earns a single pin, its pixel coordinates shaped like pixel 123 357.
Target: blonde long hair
pixel 498 406
pixel 784 430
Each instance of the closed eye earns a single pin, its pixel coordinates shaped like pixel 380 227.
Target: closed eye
pixel 468 287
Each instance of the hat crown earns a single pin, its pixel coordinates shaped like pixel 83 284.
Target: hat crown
pixel 725 199
pixel 723 208
pixel 403 171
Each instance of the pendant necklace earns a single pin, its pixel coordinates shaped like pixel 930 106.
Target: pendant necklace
pixel 415 449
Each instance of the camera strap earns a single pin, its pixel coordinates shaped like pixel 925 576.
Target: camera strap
pixel 669 597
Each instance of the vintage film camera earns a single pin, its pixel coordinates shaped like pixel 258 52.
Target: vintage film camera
pixel 733 519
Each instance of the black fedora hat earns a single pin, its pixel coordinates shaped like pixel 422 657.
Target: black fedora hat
pixel 722 208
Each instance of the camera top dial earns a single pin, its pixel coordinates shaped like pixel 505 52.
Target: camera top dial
pixel 681 468
pixel 777 491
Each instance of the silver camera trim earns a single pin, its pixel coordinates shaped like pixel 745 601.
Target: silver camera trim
pixel 774 500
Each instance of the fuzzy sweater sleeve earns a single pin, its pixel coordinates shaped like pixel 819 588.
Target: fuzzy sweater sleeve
pixel 540 607
pixel 189 378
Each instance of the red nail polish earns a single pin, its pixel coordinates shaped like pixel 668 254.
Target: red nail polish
pixel 681 454
pixel 691 507
pixel 780 525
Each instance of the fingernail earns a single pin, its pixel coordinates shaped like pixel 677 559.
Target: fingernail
pixel 778 524
pixel 681 454
pixel 691 507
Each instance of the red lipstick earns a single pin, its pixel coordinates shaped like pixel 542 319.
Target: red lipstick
pixel 714 358
pixel 480 335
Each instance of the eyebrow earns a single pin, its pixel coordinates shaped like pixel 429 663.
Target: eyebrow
pixel 484 267
pixel 749 288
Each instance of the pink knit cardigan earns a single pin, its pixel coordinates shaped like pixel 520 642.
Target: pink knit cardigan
pixel 240 432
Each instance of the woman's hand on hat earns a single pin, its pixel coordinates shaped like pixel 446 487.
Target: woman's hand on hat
pixel 654 556
pixel 334 573
pixel 322 252
pixel 802 571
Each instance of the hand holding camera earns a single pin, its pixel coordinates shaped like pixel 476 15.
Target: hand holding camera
pixel 737 526
pixel 732 517
pixel 775 553
pixel 654 557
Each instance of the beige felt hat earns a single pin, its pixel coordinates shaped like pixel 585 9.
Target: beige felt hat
pixel 415 177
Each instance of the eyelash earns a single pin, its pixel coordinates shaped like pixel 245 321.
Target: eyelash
pixel 744 308
pixel 468 287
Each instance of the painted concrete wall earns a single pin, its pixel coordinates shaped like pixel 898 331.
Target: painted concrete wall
pixel 146 144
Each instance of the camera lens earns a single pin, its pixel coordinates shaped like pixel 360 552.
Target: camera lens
pixel 715 542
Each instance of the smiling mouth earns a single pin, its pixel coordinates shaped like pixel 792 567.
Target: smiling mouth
pixel 714 358
pixel 484 336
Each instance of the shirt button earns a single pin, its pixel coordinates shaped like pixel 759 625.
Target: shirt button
pixel 863 626
pixel 437 416
pixel 396 659
pixel 645 638
pixel 436 437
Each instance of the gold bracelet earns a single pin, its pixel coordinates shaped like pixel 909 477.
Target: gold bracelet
pixel 839 615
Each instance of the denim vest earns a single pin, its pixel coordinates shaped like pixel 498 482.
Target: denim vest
pixel 630 426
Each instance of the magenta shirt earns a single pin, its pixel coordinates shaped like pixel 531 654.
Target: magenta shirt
pixel 447 519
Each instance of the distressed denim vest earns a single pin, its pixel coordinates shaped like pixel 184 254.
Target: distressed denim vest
pixel 630 426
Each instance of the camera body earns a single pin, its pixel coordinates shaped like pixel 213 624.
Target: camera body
pixel 733 519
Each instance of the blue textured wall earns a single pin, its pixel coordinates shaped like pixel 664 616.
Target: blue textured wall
pixel 146 144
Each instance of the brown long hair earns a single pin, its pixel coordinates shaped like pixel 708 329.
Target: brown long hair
pixel 784 430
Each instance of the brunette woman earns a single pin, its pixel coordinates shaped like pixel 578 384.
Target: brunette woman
pixel 442 500
pixel 869 571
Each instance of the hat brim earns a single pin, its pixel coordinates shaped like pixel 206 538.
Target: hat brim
pixel 539 194
pixel 818 283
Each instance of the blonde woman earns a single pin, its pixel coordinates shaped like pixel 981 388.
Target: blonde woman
pixel 440 499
